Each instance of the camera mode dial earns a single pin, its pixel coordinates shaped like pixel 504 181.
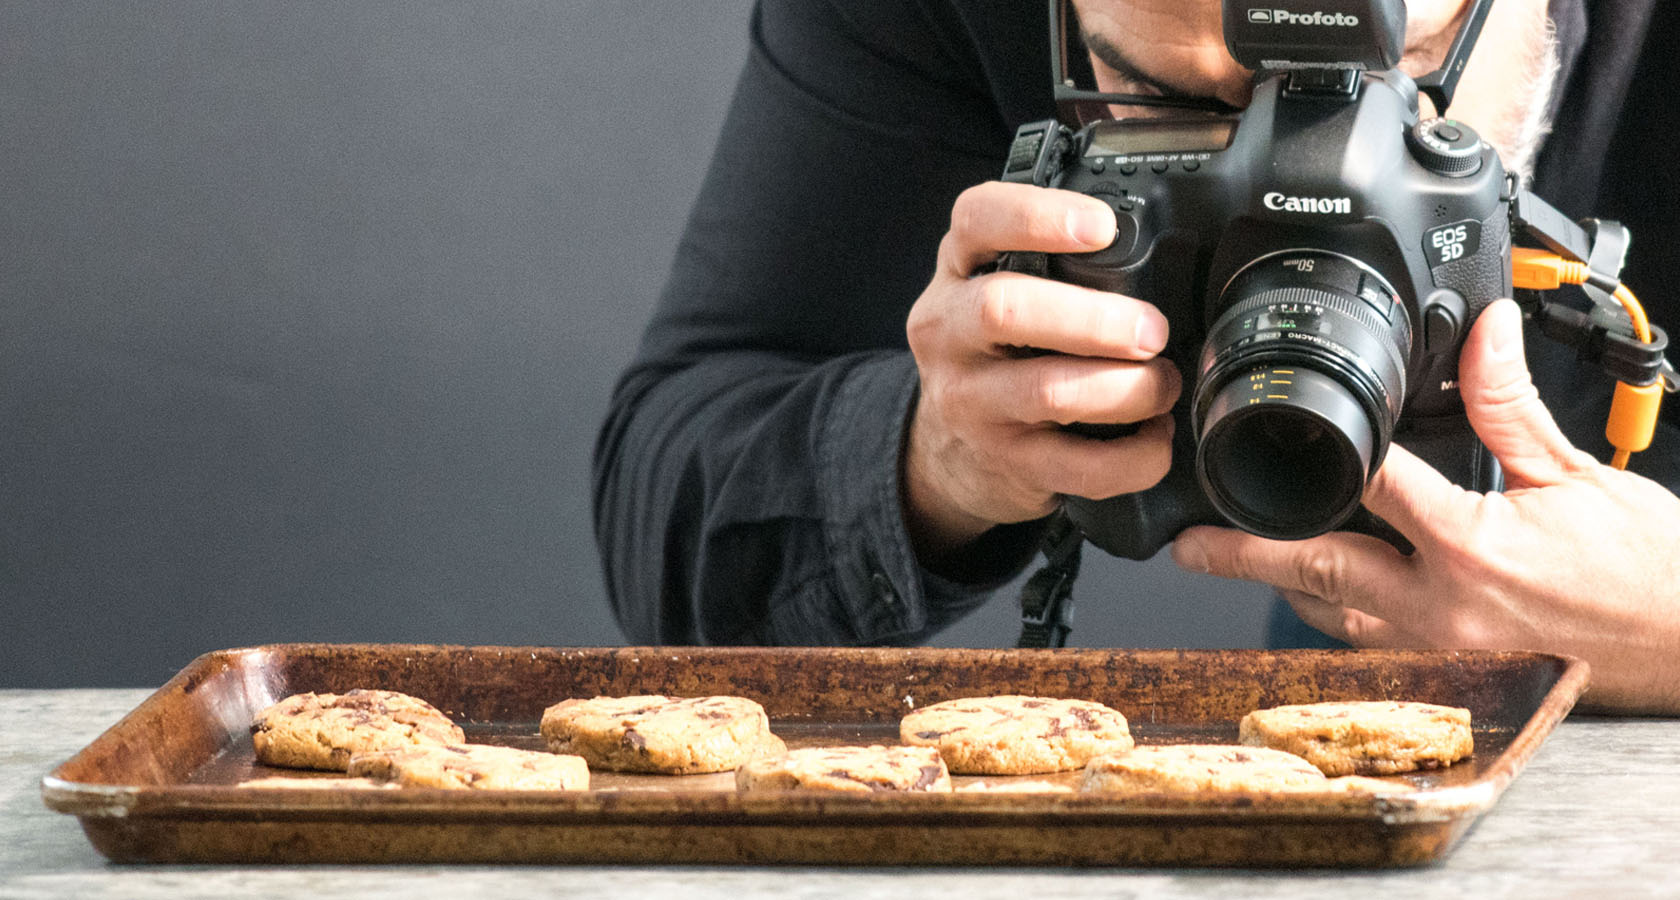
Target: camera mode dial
pixel 1446 147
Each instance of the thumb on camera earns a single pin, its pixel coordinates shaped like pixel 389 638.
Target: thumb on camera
pixel 1503 405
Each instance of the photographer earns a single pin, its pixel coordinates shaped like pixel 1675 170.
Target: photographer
pixel 778 469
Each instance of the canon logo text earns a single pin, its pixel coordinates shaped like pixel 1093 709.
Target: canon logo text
pixel 1320 205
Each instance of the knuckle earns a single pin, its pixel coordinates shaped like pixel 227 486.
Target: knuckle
pixel 943 394
pixel 918 330
pixel 949 249
pixel 1482 537
pixel 1030 500
pixel 1055 394
pixel 1042 221
pixel 1158 460
pixel 1000 309
pixel 1155 459
pixel 1168 385
pixel 1508 396
pixel 1113 321
pixel 1084 481
pixel 1238 560
pixel 1580 462
pixel 1321 574
pixel 965 211
pixel 1144 460
pixel 1358 629
pixel 1465 633
pixel 928 326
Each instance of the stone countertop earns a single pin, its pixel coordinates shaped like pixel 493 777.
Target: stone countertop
pixel 1596 812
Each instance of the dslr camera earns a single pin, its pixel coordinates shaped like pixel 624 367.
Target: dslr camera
pixel 1320 256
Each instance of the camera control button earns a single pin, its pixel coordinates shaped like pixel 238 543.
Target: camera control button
pixel 1442 312
pixel 1097 167
pixel 1375 293
pixel 1159 168
pixel 1128 168
pixel 1125 229
pixel 1439 329
pixel 1125 236
pixel 1191 165
pixel 1446 147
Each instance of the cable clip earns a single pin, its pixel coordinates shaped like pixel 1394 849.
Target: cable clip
pixel 1047 597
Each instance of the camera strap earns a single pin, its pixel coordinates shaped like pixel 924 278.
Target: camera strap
pixel 1047 597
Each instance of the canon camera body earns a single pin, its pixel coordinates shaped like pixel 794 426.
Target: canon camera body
pixel 1320 257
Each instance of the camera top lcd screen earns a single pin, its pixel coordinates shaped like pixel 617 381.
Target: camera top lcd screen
pixel 1161 136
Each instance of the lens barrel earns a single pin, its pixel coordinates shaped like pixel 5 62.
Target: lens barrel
pixel 1302 379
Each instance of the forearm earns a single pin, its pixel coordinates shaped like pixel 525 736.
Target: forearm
pixel 750 498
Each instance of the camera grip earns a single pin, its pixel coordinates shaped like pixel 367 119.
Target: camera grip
pixel 1137 526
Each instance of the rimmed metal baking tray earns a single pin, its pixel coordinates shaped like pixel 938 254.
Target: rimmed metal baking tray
pixel 162 784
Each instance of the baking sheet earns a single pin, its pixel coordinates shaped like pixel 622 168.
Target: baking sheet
pixel 161 785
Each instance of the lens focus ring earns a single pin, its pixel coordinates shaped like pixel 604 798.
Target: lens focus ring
pixel 1301 383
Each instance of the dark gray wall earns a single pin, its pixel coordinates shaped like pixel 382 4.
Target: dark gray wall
pixel 308 312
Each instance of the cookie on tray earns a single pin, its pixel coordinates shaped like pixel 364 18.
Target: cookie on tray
pixel 285 782
pixel 1016 735
pixel 477 767
pixel 850 769
pixel 1015 787
pixel 663 735
pixel 1201 767
pixel 322 731
pixel 1359 784
pixel 1376 737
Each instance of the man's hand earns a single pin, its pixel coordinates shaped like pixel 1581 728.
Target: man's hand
pixel 1574 557
pixel 984 446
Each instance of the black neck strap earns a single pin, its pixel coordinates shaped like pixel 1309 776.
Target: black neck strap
pixel 1047 597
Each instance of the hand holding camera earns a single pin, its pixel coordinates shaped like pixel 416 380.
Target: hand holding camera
pixel 985 447
pixel 1574 557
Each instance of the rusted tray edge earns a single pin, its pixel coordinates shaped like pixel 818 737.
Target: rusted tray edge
pixel 1551 710
pixel 98 800
pixel 781 807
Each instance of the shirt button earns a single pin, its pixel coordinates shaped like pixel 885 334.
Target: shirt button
pixel 883 589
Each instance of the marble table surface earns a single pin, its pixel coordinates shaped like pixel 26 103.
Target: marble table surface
pixel 1596 813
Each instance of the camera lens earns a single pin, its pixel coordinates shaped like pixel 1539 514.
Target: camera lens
pixel 1302 379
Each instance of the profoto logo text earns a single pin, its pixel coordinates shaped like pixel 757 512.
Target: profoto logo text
pixel 1321 205
pixel 1285 17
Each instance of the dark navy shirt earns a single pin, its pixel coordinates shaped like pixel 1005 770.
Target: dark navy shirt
pixel 747 477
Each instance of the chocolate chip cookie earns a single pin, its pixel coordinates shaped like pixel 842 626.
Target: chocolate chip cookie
pixel 665 735
pixel 322 731
pixel 851 769
pixel 1201 767
pixel 1016 735
pixel 1378 737
pixel 477 767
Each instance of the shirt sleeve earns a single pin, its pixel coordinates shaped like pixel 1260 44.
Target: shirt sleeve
pixel 747 476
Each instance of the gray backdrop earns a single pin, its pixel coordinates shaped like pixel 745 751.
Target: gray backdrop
pixel 309 310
